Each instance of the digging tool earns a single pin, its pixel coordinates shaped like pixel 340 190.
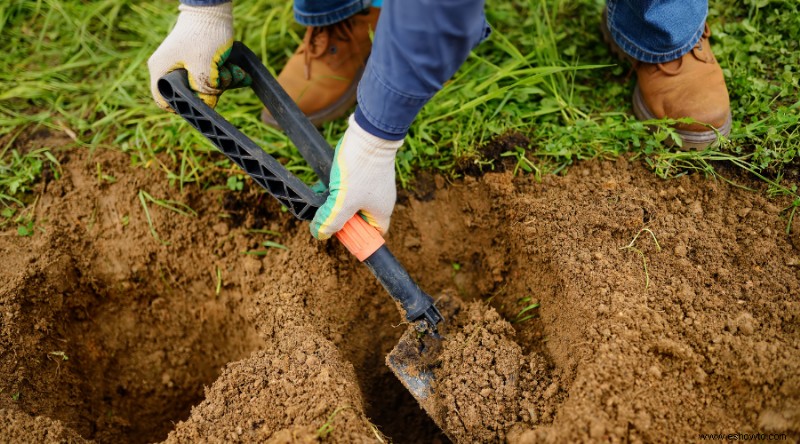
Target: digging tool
pixel 360 238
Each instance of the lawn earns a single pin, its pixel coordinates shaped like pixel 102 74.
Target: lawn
pixel 77 70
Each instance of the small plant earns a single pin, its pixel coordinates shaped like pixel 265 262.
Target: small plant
pixel 59 357
pixel 267 244
pixel 25 227
pixel 526 312
pixel 644 259
pixel 102 177
pixel 523 163
pixel 171 205
pixel 326 429
pixel 59 354
pixel 235 183
pixel 15 396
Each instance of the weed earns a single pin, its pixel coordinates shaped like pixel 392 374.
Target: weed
pixel 15 397
pixel 630 246
pixel 267 244
pixel 171 205
pixel 235 183
pixel 102 177
pixel 378 435
pixel 218 288
pixel 327 428
pixel 528 306
pixel 25 228
pixel 59 357
pixel 19 172
pixel 59 354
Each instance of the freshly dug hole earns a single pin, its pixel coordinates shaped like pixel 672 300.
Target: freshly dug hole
pixel 705 339
pixel 115 361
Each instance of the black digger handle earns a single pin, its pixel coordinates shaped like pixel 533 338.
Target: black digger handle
pixel 419 306
pixel 290 191
pixel 312 146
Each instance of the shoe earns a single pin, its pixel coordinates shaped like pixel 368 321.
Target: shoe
pixel 691 86
pixel 322 76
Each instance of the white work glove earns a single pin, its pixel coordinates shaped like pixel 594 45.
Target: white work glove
pixel 200 42
pixel 362 180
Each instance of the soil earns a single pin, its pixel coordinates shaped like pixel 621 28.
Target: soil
pixel 667 309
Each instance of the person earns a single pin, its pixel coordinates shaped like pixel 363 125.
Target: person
pixel 419 44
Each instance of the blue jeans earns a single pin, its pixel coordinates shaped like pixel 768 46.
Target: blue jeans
pixel 420 44
pixel 656 31
pixel 328 12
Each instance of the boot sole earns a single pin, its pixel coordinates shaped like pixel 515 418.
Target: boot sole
pixel 690 139
pixel 333 112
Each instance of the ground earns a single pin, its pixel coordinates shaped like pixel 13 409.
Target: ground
pixel 667 309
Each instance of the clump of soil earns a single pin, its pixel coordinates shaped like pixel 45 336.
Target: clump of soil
pixel 667 309
pixel 18 425
pixel 280 394
pixel 483 383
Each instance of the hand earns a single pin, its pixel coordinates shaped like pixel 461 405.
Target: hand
pixel 200 42
pixel 362 180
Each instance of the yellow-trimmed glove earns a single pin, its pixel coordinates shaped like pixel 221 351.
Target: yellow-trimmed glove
pixel 362 180
pixel 200 42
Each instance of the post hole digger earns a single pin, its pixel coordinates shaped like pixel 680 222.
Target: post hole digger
pixel 408 359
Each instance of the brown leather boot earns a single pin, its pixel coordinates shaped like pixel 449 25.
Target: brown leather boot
pixel 322 76
pixel 691 86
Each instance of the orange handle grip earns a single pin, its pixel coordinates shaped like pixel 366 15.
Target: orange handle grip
pixel 361 238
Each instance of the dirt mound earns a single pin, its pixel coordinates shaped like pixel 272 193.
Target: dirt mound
pixel 19 427
pixel 280 394
pixel 667 309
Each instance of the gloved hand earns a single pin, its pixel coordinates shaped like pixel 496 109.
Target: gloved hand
pixel 200 42
pixel 362 179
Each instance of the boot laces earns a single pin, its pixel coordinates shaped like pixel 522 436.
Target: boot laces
pixel 698 47
pixel 319 40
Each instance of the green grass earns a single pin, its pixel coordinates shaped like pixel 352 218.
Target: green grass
pixel 78 68
pixel 526 312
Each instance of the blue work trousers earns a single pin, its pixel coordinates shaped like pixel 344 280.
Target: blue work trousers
pixel 419 45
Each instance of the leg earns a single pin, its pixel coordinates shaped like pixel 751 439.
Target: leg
pixel 678 75
pixel 419 45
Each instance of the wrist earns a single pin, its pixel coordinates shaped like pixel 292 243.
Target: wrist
pixel 364 138
pixel 204 2
pixel 208 11
pixel 364 123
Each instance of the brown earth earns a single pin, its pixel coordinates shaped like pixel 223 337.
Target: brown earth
pixel 668 309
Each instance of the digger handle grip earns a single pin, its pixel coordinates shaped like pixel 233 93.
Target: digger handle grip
pixel 360 238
